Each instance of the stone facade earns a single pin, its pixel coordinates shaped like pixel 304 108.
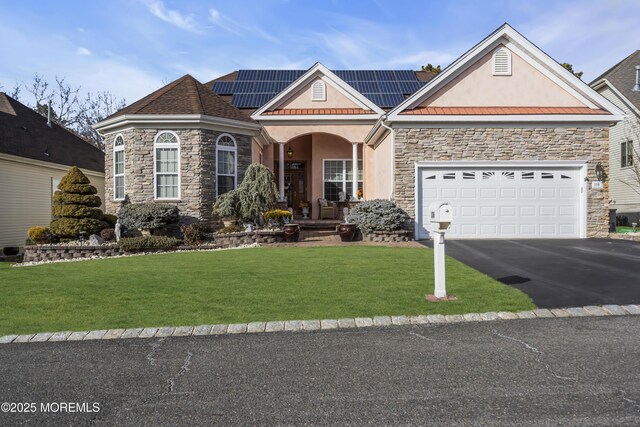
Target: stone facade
pixel 39 253
pixel 197 169
pixel 530 143
pixel 387 236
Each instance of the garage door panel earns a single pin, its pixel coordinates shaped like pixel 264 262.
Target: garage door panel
pixel 506 201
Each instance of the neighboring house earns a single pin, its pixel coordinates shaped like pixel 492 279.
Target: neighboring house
pixel 620 85
pixel 33 158
pixel 505 134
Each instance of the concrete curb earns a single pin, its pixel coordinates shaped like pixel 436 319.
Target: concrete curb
pixel 321 325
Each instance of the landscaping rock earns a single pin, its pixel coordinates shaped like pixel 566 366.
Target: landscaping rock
pixel 148 333
pixel 436 318
pixel 399 320
pixel 543 313
pixel 346 323
pixel 489 316
pixel 202 330
pixel 507 315
pixel 454 318
pixel 113 334
pixel 237 328
pixel 7 339
pixel 293 325
pixel 526 315
pixel 164 332
pixel 577 311
pixel 559 312
pixel 183 331
pixel 255 327
pixel 328 324
pixel 614 310
pixel 131 333
pixel 95 335
pixel 95 240
pixel 41 337
pixel 472 317
pixel 274 326
pixel 382 321
pixel 23 338
pixel 363 322
pixel 311 325
pixel 594 310
pixel 219 329
pixel 77 336
pixel 419 320
pixel 632 308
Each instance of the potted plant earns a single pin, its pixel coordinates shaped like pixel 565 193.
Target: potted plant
pixel 227 207
pixel 346 231
pixel 304 207
pixel 281 217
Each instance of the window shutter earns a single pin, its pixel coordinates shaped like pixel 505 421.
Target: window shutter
pixel 318 91
pixel 502 62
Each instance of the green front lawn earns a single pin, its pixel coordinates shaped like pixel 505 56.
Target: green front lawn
pixel 245 285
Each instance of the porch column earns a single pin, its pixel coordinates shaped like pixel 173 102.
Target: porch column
pixel 281 171
pixel 354 171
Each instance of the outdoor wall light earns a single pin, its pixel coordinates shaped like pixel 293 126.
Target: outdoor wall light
pixel 289 153
pixel 600 172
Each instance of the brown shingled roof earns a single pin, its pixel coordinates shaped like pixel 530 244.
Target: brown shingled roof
pixel 184 96
pixel 24 133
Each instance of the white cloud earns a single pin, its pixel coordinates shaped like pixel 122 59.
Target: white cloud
pixel 174 17
pixel 235 27
pixel 83 51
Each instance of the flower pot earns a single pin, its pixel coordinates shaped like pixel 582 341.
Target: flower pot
pixel 305 213
pixel 346 232
pixel 228 222
pixel 11 250
pixel 291 232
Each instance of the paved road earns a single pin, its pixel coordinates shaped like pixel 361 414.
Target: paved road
pixel 579 371
pixel 559 273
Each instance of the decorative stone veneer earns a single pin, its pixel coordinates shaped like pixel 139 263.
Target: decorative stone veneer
pixel 197 169
pixel 564 143
pixel 231 240
pixel 38 253
pixel 387 236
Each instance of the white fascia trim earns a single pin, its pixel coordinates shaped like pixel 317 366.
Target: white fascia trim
pixel 604 82
pixel 370 118
pixel 507 35
pixel 376 135
pixel 419 120
pixel 50 165
pixel 180 120
pixel 500 163
pixel 328 76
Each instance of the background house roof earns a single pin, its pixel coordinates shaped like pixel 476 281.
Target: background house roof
pixel 24 133
pixel 251 89
pixel 623 77
pixel 184 96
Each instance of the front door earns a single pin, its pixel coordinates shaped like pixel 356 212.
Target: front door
pixel 295 188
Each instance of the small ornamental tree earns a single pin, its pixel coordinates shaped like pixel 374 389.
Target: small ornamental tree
pixel 75 206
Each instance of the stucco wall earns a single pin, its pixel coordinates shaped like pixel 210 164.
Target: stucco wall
pixel 525 87
pixel 582 143
pixel 334 99
pixel 26 195
pixel 197 169
pixel 380 168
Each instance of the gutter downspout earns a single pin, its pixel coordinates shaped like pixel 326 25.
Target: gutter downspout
pixel 393 154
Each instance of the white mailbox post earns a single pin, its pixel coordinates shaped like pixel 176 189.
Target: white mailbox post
pixel 440 216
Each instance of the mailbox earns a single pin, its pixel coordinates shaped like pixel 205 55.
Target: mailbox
pixel 440 216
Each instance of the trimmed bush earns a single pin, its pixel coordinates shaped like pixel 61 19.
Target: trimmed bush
pixel 377 215
pixel 278 215
pixel 110 219
pixel 228 205
pixel 194 234
pixel 39 234
pixel 148 216
pixel 75 206
pixel 76 199
pixel 108 234
pixel 144 243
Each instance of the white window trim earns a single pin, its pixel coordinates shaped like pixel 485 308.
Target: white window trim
pixel 493 62
pixel 345 181
pixel 233 149
pixel 324 91
pixel 157 145
pixel 117 175
pixel 625 153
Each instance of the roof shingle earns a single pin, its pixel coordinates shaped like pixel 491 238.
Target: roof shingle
pixel 184 96
pixel 25 133
pixel 623 77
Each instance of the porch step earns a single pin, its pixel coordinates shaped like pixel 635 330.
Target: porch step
pixel 318 224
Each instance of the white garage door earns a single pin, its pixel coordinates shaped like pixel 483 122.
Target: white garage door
pixel 503 201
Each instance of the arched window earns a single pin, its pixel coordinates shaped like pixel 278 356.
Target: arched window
pixel 166 171
pixel 227 163
pixel 502 62
pixel 118 168
pixel 318 91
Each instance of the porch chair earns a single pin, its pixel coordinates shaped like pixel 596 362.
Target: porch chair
pixel 325 208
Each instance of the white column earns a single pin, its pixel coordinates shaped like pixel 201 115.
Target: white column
pixel 440 290
pixel 354 171
pixel 281 171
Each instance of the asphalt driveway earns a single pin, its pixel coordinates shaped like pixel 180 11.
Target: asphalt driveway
pixel 559 273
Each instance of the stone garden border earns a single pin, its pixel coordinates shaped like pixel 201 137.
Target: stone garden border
pixel 55 253
pixel 316 325
pixel 396 236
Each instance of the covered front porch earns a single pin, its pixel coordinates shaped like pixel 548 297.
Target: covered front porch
pixel 320 171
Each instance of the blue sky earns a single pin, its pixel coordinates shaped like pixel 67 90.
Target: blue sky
pixel 132 47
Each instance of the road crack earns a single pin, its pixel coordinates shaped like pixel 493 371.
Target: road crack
pixel 171 382
pixel 426 338
pixel 155 348
pixel 538 355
